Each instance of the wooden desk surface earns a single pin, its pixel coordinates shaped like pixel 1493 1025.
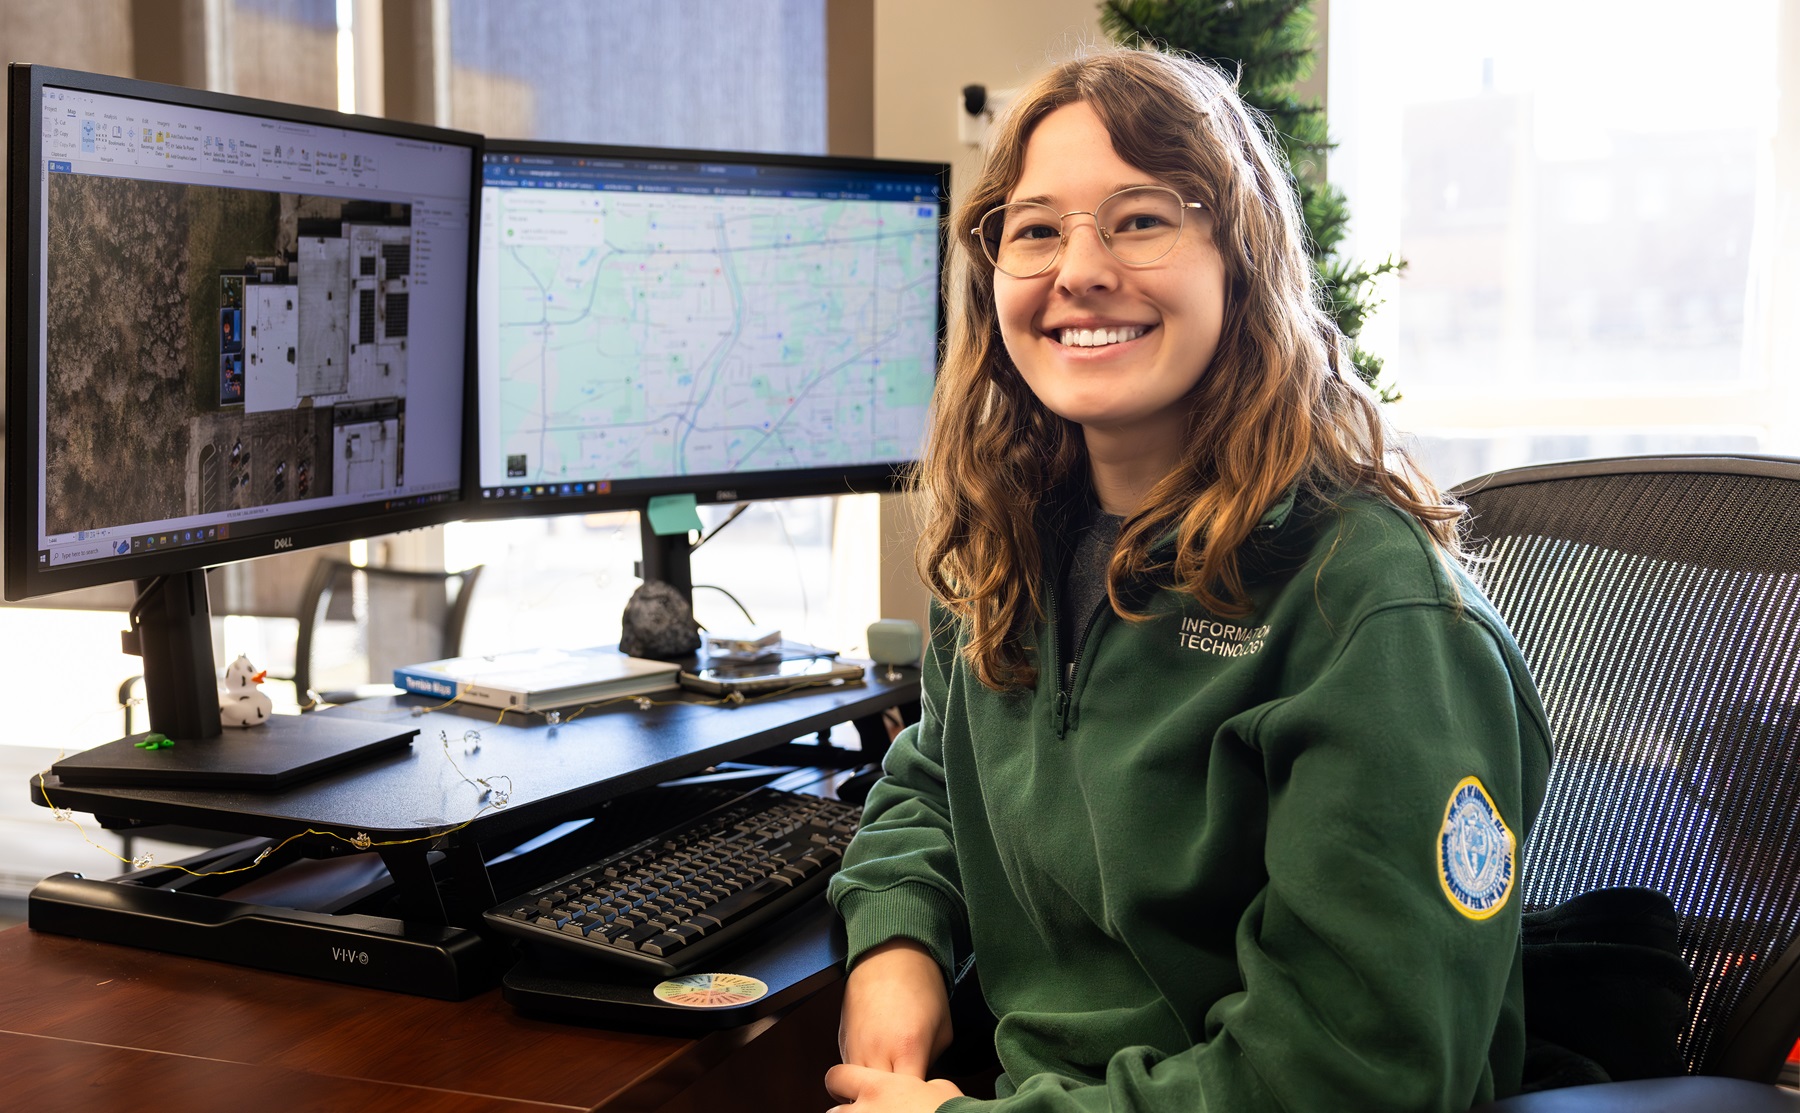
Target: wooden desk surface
pixel 92 1026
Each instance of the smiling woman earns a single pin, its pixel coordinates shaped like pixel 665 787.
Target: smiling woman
pixel 1237 372
pixel 1214 722
pixel 1115 330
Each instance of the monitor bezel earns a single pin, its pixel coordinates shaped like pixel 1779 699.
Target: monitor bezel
pixel 23 578
pixel 726 487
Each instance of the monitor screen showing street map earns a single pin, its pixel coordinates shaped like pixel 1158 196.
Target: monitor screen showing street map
pixel 660 323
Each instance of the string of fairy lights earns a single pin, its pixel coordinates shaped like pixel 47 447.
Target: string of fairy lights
pixel 492 794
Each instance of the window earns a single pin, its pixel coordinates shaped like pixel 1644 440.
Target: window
pixel 654 75
pixel 1584 209
pixel 285 50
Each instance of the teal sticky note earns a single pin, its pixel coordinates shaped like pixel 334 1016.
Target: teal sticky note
pixel 673 514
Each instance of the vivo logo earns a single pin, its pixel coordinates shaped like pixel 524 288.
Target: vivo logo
pixel 345 954
pixel 283 543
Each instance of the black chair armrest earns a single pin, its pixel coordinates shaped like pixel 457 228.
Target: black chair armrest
pixel 1688 1094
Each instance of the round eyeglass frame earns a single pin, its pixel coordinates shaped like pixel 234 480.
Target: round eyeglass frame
pixel 1062 230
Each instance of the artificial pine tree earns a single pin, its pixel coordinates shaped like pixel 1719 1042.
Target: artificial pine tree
pixel 1269 45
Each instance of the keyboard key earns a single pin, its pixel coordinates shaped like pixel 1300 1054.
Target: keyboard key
pixel 661 945
pixel 642 932
pixel 739 905
pixel 610 934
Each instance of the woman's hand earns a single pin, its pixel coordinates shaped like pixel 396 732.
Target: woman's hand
pixel 865 1090
pixel 896 1011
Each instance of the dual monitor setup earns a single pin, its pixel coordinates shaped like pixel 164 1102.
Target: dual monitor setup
pixel 237 328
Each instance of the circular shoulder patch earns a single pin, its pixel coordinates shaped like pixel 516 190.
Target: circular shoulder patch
pixel 1477 854
pixel 711 991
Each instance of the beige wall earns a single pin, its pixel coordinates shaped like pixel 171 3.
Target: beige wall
pixel 925 52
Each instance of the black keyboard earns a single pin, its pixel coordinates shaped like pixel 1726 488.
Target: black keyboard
pixel 663 905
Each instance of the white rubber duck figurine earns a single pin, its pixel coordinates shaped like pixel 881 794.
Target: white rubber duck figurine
pixel 243 704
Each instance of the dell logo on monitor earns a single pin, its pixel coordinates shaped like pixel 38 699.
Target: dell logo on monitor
pixel 727 496
pixel 283 543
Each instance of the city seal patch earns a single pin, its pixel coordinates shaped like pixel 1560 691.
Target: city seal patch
pixel 1477 854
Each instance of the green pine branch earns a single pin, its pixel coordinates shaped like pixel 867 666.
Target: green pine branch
pixel 1349 290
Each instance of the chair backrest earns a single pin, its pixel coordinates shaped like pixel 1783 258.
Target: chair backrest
pixel 361 623
pixel 1657 601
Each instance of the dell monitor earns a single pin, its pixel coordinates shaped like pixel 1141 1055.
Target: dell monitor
pixel 234 328
pixel 719 325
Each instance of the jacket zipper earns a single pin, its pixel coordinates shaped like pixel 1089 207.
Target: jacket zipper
pixel 1065 674
pixel 1059 703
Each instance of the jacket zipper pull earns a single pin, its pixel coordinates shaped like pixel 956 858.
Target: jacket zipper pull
pixel 1062 712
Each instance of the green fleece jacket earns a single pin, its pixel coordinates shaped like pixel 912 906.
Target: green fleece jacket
pixel 1232 864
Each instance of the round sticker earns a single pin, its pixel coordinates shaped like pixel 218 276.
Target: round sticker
pixel 711 991
pixel 1476 852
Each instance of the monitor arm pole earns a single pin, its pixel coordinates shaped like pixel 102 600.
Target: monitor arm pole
pixel 668 558
pixel 174 636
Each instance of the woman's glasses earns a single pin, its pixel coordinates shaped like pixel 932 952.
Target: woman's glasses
pixel 1138 225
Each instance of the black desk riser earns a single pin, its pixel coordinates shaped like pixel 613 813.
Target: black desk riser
pixel 557 771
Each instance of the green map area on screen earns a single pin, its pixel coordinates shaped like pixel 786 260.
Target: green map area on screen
pixel 663 334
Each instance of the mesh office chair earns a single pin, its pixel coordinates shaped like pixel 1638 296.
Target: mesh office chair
pixel 371 620
pixel 1657 601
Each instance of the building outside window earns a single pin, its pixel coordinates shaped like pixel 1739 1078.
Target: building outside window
pixel 1584 195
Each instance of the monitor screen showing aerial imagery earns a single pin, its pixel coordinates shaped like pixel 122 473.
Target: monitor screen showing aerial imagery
pixel 241 319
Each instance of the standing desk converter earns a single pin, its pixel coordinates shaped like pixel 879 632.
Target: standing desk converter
pixel 440 830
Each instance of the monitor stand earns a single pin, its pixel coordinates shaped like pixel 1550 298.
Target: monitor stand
pixel 668 557
pixel 173 633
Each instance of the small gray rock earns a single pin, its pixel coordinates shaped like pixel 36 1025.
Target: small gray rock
pixel 659 623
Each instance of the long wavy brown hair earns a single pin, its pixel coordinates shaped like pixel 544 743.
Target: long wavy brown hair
pixel 1277 406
